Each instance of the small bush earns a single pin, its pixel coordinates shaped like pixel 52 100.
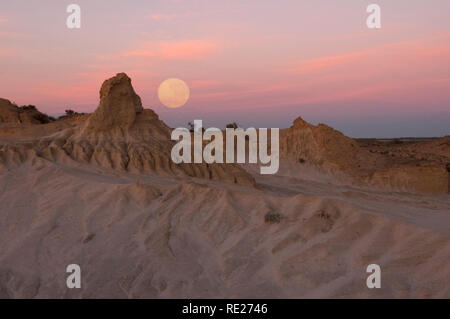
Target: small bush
pixel 232 125
pixel 28 107
pixel 324 215
pixel 192 127
pixel 70 112
pixel 272 218
pixel 301 160
pixel 43 118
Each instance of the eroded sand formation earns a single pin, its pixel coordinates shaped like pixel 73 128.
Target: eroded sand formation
pixel 330 151
pixel 28 114
pixel 120 135
pixel 100 191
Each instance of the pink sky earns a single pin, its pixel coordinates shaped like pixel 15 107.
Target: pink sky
pixel 257 62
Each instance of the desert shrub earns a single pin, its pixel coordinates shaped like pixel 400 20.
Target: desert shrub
pixel 323 214
pixel 232 125
pixel 192 127
pixel 301 160
pixel 28 108
pixel 35 114
pixel 43 118
pixel 272 218
pixel 70 112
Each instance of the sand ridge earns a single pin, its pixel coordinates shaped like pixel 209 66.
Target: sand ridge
pixel 158 237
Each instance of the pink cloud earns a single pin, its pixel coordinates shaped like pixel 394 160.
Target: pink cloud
pixel 179 50
pixel 140 53
pixel 11 35
pixel 200 84
pixel 327 62
pixel 402 72
pixel 388 54
pixel 162 17
pixel 6 52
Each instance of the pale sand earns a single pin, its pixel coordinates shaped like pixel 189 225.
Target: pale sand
pixel 161 237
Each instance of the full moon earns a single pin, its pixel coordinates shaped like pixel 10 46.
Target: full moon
pixel 173 93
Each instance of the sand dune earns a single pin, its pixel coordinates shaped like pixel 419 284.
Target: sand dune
pixel 101 191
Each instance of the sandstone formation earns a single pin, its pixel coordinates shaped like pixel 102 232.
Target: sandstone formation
pixel 8 112
pixel 118 108
pixel 432 180
pixel 393 168
pixel 12 114
pixel 119 135
pixel 319 145
pixel 122 135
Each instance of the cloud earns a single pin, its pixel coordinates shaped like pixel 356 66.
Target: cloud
pixel 162 17
pixel 391 55
pixel 6 52
pixel 11 35
pixel 178 50
pixel 327 63
pixel 202 84
pixel 4 34
pixel 402 73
